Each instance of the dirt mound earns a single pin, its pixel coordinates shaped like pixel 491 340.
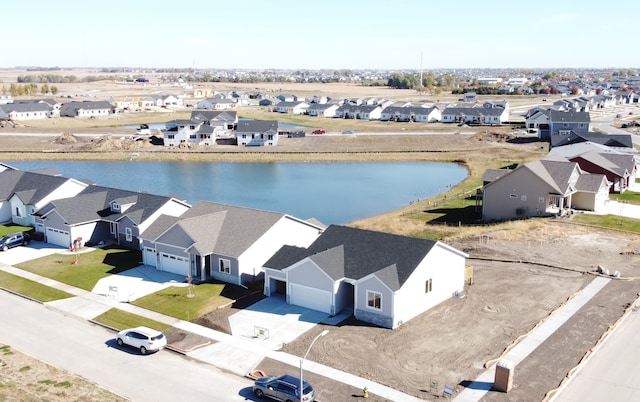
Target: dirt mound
pixel 116 144
pixel 493 136
pixel 66 139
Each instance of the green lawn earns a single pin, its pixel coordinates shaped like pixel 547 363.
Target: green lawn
pixel 30 288
pixel 120 320
pixel 175 301
pixel 609 221
pixel 88 269
pixel 11 228
pixel 628 196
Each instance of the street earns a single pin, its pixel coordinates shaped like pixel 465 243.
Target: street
pixel 611 373
pixel 90 351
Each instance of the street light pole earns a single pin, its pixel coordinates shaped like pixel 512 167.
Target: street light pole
pixel 323 333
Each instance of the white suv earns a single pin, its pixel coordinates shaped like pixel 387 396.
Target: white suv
pixel 143 338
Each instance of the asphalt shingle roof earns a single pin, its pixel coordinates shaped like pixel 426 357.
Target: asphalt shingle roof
pixel 345 252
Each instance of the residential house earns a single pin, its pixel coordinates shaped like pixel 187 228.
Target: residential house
pixel 359 111
pixel 609 140
pixel 257 132
pixel 87 109
pixel 295 107
pixel 217 104
pixel 619 169
pixel 561 123
pixel 475 115
pixel 102 215
pixel 537 119
pixel 22 193
pixel 28 110
pixel 222 242
pixel 411 113
pixel 470 97
pixel 543 188
pixel 226 119
pixel 383 279
pixel 192 131
pixel 322 109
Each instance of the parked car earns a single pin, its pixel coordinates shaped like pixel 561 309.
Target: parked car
pixel 283 388
pixel 347 132
pixel 143 338
pixel 318 132
pixel 13 240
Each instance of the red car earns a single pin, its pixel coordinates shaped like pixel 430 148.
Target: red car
pixel 318 132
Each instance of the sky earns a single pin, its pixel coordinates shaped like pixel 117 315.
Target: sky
pixel 321 34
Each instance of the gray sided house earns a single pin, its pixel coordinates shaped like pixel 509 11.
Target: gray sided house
pixel 222 242
pixel 542 188
pixel 561 123
pixel 23 193
pixel 87 109
pixel 257 132
pixel 104 215
pixel 383 279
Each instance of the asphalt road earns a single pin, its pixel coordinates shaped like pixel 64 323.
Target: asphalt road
pixel 611 374
pixel 89 351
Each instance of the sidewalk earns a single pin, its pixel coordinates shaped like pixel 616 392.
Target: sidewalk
pixel 230 353
pixel 483 384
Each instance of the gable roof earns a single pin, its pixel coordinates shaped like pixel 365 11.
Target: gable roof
pixel 256 126
pixel 31 187
pixel 94 203
pixel 222 229
pixel 620 165
pixel 557 116
pixel 610 140
pixel 344 252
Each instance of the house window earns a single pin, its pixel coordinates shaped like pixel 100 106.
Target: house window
pixel 225 266
pixel 540 200
pixel 112 228
pixel 582 125
pixel 128 234
pixel 523 198
pixel 428 286
pixel 18 212
pixel 374 300
pixel 171 136
pixel 513 195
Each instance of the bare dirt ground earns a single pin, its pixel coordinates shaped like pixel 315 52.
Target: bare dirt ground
pixel 25 379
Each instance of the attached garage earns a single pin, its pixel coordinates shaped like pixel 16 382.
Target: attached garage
pixel 149 256
pixel 174 264
pixel 311 298
pixel 58 237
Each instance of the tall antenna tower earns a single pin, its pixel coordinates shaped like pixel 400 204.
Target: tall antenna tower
pixel 420 85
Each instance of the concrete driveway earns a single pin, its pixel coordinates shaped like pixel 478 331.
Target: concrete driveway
pixel 621 209
pixel 35 249
pixel 136 282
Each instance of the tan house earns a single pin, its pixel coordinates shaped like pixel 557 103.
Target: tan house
pixel 542 188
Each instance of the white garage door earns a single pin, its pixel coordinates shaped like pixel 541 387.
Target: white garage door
pixel 314 299
pixel 149 257
pixel 58 237
pixel 174 264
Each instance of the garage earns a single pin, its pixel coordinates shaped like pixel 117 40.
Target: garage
pixel 149 256
pixel 311 298
pixel 58 237
pixel 174 264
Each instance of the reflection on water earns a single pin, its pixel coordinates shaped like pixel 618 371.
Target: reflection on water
pixel 336 192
